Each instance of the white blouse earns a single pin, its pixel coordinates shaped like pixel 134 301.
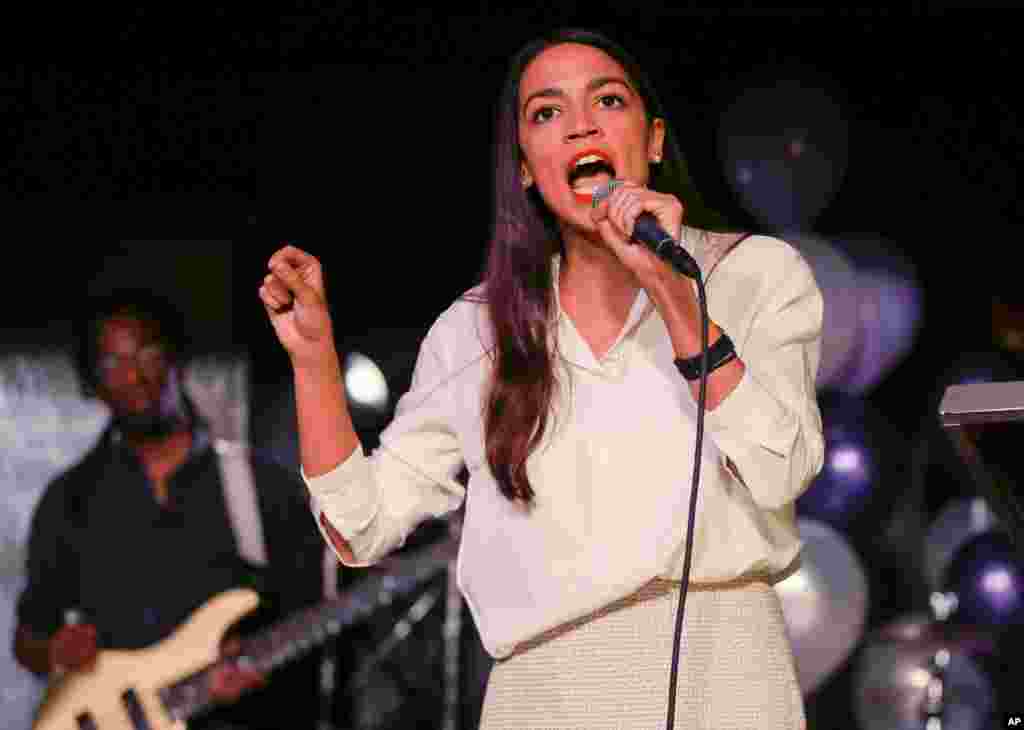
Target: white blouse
pixel 613 473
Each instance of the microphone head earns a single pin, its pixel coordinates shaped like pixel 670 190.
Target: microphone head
pixel 603 191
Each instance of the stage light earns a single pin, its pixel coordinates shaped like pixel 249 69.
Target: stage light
pixel 365 384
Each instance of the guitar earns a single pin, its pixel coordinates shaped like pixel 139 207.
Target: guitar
pixel 160 687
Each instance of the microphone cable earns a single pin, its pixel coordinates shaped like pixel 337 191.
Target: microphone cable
pixel 698 447
pixel 684 264
pixel 666 248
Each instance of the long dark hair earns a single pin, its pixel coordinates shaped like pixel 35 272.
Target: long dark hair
pixel 518 272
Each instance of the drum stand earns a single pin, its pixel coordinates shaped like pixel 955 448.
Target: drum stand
pixel 452 633
pixel 933 707
pixel 451 636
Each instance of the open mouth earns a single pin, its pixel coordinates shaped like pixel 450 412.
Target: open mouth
pixel 587 171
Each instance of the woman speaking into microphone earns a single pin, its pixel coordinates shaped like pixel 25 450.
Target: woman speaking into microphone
pixel 567 383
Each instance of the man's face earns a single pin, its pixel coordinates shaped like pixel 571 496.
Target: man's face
pixel 132 368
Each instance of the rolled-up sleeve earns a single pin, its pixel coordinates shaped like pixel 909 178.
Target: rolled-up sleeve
pixel 769 427
pixel 376 501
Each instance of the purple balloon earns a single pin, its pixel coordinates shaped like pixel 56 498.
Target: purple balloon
pixel 784 145
pixel 842 489
pixel 987 577
pixel 960 520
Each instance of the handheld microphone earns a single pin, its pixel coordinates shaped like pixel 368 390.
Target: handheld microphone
pixel 647 231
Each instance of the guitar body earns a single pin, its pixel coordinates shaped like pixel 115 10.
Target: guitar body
pixel 98 693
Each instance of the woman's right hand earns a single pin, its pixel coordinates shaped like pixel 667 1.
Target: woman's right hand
pixel 73 647
pixel 294 297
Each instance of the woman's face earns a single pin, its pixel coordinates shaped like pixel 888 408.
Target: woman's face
pixel 582 123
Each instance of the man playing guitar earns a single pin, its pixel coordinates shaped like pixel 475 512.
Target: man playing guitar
pixel 129 542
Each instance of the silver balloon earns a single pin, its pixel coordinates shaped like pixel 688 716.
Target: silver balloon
pixel 840 290
pixel 897 670
pixel 959 521
pixel 824 603
pixel 891 303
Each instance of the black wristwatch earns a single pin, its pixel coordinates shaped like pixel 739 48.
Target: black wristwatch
pixel 721 352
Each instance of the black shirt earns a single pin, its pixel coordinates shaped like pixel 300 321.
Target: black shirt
pixel 101 543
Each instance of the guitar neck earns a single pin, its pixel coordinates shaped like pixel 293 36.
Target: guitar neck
pixel 306 629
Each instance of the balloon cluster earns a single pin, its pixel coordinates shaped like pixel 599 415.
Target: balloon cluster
pixel 969 553
pixel 784 143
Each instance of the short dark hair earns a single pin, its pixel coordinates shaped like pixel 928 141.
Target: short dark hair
pixel 142 304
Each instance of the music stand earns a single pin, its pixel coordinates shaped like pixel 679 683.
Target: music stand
pixel 986 423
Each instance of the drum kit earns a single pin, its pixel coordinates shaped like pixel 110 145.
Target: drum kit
pixel 937 670
pixel 951 668
pixel 418 661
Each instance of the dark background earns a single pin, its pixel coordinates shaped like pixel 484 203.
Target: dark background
pixel 362 133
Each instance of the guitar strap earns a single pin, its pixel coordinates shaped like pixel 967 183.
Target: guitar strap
pixel 240 499
pixel 244 513
pixel 244 516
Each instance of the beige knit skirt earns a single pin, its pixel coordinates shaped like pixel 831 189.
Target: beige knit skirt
pixel 735 671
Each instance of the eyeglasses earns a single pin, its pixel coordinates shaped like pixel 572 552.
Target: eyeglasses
pixel 148 357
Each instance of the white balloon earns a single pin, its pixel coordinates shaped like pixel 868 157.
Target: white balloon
pixel 824 603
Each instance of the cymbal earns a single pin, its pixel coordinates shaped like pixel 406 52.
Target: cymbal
pixel 895 671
